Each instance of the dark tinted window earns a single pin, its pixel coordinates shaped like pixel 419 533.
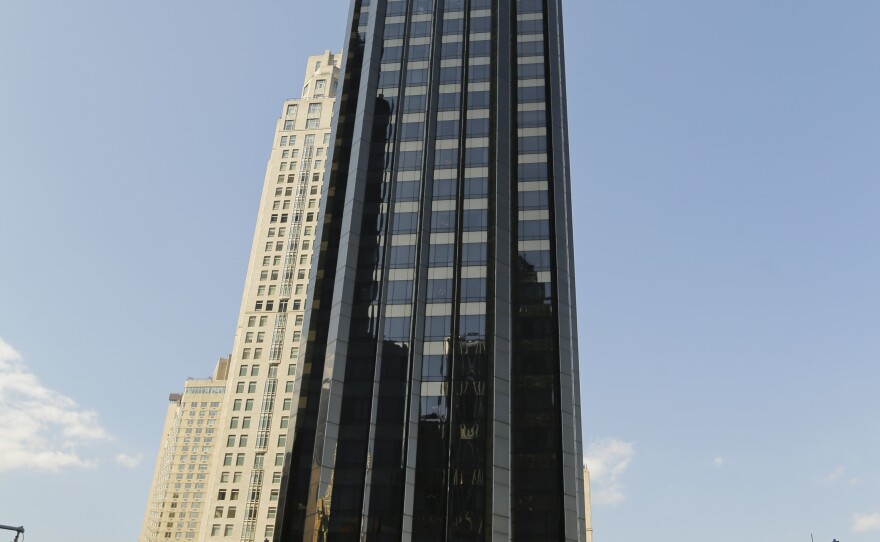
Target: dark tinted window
pixel 407 190
pixel 448 100
pixel 478 100
pixel 442 221
pixel 477 127
pixel 475 219
pixel 533 144
pixel 441 256
pixel 476 187
pixel 439 290
pixel 400 291
pixel 403 256
pixel 406 222
pixel 481 24
pixel 473 253
pixel 419 52
pixel 536 199
pixel 447 128
pixel 415 104
pixel 451 50
pixel 412 130
pixel 473 289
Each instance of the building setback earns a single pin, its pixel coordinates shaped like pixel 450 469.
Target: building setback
pixel 184 462
pixel 437 397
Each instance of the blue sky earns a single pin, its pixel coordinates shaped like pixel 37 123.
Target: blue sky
pixel 726 166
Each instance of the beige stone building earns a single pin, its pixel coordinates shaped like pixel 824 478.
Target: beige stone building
pixel 588 505
pixel 229 488
pixel 242 494
pixel 185 460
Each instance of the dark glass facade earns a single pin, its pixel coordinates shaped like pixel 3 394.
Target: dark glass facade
pixel 437 398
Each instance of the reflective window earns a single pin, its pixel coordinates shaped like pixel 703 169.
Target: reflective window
pixel 402 256
pixel 536 260
pixel 437 327
pixel 442 221
pixel 530 27
pixel 476 156
pixel 531 71
pixel 435 368
pixel 527 119
pixel 530 48
pixel 481 24
pixel 407 191
pixel 534 199
pixel 450 74
pixel 452 50
pixel 406 222
pixel 409 160
pixel 477 127
pixel 393 30
pixel 423 6
pixel 475 219
pixel 412 130
pixel 533 229
pixel 480 48
pixel 399 291
pixel 445 188
pixel 433 409
pixel 439 290
pixel 417 76
pixel 482 72
pixel 448 101
pixel 441 255
pixel 415 103
pixel 533 172
pixel 472 326
pixel 397 328
pixel 419 52
pixel 447 128
pixel 395 8
pixel 533 144
pixel 473 253
pixel 392 54
pixel 473 289
pixel 420 28
pixel 453 26
pixel 478 100
pixel 446 158
pixel 529 6
pixel 476 187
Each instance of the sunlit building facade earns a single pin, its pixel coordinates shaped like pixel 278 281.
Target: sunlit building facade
pixel 243 492
pixel 185 460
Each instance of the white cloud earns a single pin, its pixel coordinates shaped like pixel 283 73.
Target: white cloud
pixel 608 459
pixel 129 461
pixel 718 461
pixel 863 523
pixel 834 475
pixel 41 428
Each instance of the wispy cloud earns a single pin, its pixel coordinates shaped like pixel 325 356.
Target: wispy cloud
pixel 41 428
pixel 863 523
pixel 129 461
pixel 608 459
pixel 718 461
pixel 834 475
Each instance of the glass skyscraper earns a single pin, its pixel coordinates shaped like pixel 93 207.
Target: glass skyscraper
pixel 437 394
